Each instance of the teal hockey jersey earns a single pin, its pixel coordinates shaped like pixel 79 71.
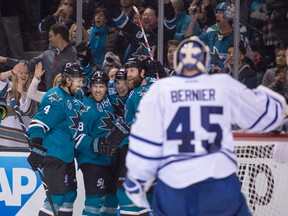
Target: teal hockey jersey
pixel 56 123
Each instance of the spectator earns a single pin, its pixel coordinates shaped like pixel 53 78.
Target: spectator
pixel 53 59
pixel 88 11
pixel 172 45
pixel 206 16
pixel 11 43
pixel 276 78
pixel 219 39
pixel 32 92
pixel 246 75
pixel 150 25
pixel 65 14
pixel 182 20
pixel 11 133
pixel 102 36
pixel 73 34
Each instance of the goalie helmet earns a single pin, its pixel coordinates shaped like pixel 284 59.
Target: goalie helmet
pixel 192 54
pixel 121 74
pixel 228 10
pixel 99 77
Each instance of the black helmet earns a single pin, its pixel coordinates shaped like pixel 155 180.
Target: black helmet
pixel 72 70
pixel 99 77
pixel 121 74
pixel 139 62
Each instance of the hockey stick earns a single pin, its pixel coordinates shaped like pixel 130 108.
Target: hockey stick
pixel 16 109
pixel 143 32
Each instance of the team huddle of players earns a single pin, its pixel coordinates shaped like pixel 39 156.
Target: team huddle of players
pixel 180 137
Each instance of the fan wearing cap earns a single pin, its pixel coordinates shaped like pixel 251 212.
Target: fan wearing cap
pixel 52 132
pixel 97 144
pixel 219 39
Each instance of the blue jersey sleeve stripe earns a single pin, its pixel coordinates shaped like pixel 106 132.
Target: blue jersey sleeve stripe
pixel 274 120
pixel 145 140
pixel 142 156
pixel 265 112
pixel 189 157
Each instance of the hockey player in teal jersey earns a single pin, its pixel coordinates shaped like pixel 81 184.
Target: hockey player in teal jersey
pixel 97 144
pixel 118 92
pixel 140 75
pixel 136 69
pixel 52 133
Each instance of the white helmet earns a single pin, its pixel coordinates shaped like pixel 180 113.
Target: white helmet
pixel 192 54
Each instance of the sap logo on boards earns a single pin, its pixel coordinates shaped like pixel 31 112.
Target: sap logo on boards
pixel 17 183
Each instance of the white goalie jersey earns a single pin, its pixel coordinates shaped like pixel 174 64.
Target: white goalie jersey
pixel 182 132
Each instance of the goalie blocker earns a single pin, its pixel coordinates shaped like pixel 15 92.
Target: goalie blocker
pixel 110 144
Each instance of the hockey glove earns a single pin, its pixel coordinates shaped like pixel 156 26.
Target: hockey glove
pixel 155 69
pixel 104 147
pixel 84 53
pixel 3 107
pixel 118 133
pixel 37 156
pixel 136 191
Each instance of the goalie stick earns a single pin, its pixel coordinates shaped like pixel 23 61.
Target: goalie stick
pixel 16 108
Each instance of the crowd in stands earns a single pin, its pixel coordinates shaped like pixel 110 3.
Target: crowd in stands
pixel 112 36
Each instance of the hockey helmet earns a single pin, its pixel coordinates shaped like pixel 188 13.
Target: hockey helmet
pixel 72 70
pixel 139 62
pixel 192 54
pixel 121 74
pixel 99 77
pixel 228 10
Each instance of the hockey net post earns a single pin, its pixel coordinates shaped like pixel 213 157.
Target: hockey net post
pixel 263 177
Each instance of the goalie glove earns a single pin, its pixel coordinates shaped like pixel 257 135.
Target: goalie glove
pixel 118 133
pixel 136 191
pixel 104 147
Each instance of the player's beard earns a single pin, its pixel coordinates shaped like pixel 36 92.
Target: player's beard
pixel 136 82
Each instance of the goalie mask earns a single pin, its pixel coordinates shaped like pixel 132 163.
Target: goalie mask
pixel 228 10
pixel 99 77
pixel 192 54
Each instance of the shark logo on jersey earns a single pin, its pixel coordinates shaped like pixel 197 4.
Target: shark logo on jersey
pixel 108 122
pixel 75 121
pixel 54 97
pixel 84 108
pixel 142 92
pixel 142 50
pixel 219 59
pixel 118 107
